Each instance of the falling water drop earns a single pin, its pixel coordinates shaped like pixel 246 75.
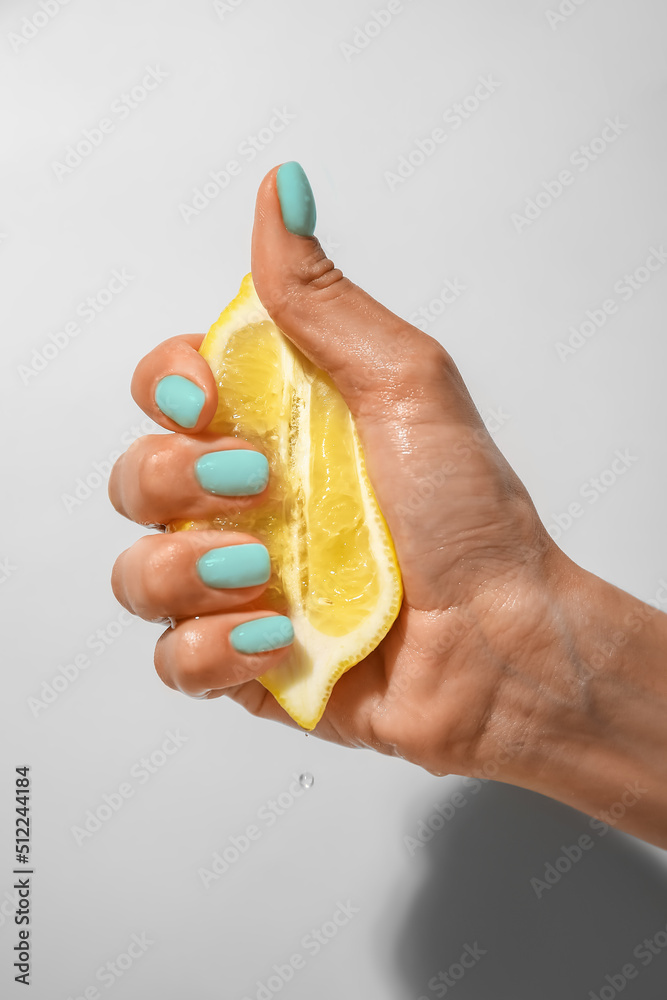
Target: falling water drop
pixel 306 780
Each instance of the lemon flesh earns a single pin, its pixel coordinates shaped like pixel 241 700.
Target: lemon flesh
pixel 334 567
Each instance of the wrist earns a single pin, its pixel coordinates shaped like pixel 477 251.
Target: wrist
pixel 591 684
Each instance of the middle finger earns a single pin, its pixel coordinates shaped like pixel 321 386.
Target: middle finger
pixel 164 477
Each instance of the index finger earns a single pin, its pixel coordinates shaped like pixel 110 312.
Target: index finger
pixel 174 385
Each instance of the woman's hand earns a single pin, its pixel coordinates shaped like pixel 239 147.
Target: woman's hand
pixel 487 669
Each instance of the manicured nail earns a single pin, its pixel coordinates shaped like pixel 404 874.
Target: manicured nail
pixel 296 199
pixel 180 399
pixel 262 634
pixel 233 473
pixel 235 566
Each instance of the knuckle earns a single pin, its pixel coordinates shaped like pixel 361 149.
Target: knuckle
pixel 428 356
pixel 151 463
pixel 399 367
pixel 317 271
pixel 159 565
pixel 160 660
pixel 407 353
pixel 114 486
pixel 316 280
pixel 193 671
pixel 150 364
pixel 430 371
pixel 118 582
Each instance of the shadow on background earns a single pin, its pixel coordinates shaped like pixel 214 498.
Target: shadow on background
pixel 476 890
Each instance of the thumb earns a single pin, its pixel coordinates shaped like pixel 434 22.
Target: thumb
pixel 367 349
pixel 415 418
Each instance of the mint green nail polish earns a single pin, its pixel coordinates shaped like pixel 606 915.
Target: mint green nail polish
pixel 235 566
pixel 297 202
pixel 180 399
pixel 262 634
pixel 232 473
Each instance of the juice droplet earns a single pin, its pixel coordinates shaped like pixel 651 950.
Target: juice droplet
pixel 306 780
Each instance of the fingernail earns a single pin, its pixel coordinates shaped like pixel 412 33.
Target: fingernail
pixel 297 202
pixel 262 634
pixel 235 566
pixel 180 399
pixel 232 473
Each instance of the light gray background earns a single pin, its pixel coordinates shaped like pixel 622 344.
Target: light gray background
pixel 564 420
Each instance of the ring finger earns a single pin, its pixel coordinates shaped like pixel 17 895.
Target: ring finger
pixel 188 573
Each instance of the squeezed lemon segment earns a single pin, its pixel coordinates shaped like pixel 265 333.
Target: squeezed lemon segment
pixel 343 582
pixel 334 568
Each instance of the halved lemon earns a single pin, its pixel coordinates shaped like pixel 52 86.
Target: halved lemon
pixel 334 567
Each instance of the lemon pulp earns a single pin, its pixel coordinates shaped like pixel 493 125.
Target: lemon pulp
pixel 334 567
